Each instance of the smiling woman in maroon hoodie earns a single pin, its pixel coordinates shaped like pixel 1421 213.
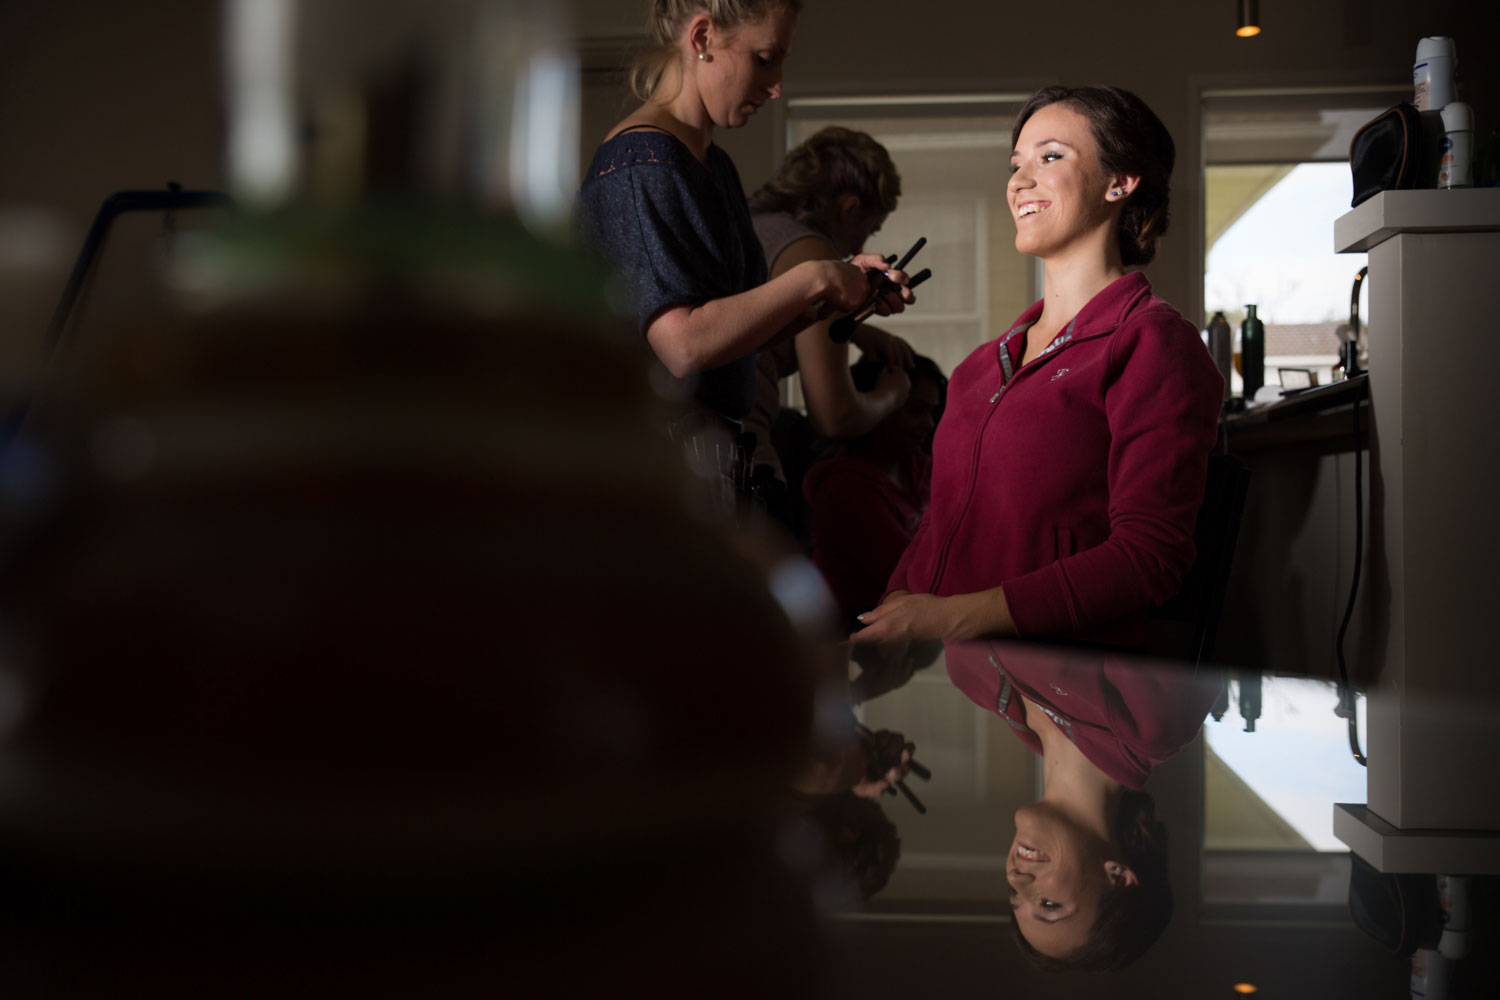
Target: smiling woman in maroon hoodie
pixel 1067 474
pixel 1071 459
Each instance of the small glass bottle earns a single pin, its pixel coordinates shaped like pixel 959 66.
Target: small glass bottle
pixel 1253 352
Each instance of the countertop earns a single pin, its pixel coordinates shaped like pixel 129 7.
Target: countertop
pixel 1320 414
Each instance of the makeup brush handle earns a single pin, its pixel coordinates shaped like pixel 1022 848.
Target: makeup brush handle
pixel 901 265
pixel 916 802
pixel 842 329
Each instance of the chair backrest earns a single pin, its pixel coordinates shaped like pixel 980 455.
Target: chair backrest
pixel 1201 599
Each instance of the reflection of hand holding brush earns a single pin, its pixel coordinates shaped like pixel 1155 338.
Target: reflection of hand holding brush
pixel 843 328
pixel 889 751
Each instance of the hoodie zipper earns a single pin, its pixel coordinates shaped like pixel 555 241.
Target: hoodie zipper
pixel 1007 379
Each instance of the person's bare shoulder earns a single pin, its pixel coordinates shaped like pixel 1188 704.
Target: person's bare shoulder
pixel 803 250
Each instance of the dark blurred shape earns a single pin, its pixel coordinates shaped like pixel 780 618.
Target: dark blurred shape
pixel 866 501
pixel 373 626
pixel 1399 912
pixel 356 635
pixel 1185 626
pixel 884 667
pixel 862 844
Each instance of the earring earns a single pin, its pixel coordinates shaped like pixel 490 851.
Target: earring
pixel 1114 869
pixel 703 57
pixel 1119 192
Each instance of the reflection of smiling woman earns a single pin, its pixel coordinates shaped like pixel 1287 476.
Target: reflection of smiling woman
pixel 1087 868
pixel 1074 852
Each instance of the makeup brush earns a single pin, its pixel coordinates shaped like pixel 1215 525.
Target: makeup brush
pixel 841 329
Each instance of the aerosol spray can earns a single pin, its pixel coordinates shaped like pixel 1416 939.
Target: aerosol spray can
pixel 1453 897
pixel 1432 73
pixel 1454 170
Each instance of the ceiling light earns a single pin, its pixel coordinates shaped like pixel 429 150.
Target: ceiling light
pixel 1249 18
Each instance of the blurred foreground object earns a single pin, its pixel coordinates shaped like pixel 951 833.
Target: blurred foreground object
pixel 355 634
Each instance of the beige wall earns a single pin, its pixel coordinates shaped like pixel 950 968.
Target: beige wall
pixel 95 97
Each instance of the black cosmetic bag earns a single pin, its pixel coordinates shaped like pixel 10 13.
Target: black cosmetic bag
pixel 1396 149
pixel 1400 912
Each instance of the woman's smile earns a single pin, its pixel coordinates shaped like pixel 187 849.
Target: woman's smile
pixel 1030 853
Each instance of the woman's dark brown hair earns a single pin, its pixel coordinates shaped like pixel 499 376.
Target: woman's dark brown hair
pixel 1131 140
pixel 1131 918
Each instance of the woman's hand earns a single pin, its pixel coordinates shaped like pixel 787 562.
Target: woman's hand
pixel 841 287
pixel 910 616
pixel 847 287
pixel 891 300
pixel 887 756
pixel 904 616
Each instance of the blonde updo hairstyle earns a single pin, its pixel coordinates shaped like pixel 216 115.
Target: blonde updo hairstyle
pixel 670 17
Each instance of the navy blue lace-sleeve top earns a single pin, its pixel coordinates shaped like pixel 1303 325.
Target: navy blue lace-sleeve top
pixel 680 233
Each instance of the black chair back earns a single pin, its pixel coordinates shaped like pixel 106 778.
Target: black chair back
pixel 1197 605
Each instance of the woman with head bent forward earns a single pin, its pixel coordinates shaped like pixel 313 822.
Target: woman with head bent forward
pixel 666 208
pixel 1067 474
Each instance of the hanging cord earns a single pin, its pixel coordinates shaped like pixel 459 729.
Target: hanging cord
pixel 1346 693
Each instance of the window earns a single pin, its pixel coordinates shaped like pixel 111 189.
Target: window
pixel 1276 176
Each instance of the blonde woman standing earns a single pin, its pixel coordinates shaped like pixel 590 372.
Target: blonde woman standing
pixel 666 208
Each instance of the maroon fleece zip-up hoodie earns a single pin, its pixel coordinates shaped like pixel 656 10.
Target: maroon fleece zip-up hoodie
pixel 1073 482
pixel 1127 714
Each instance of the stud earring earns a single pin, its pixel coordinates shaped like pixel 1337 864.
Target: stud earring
pixel 703 57
pixel 1119 192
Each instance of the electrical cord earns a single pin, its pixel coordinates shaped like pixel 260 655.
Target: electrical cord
pixel 1346 706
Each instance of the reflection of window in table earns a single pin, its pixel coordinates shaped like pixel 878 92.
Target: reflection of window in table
pixel 953 156
pixel 1269 794
pixel 1276 175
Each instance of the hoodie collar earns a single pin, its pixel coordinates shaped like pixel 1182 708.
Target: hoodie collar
pixel 1102 314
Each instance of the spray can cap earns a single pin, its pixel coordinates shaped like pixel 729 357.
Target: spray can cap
pixel 1457 117
pixel 1436 47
